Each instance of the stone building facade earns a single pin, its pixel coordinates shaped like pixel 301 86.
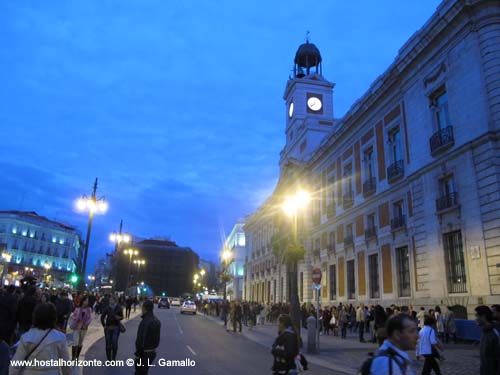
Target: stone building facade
pixel 37 246
pixel 405 186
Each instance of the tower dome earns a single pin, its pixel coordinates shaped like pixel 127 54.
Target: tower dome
pixel 307 57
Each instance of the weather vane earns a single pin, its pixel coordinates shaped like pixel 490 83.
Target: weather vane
pixel 307 36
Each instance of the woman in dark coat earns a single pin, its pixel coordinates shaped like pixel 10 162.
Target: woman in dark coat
pixel 285 347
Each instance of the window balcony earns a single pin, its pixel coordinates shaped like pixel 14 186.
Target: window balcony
pixel 370 233
pixel 395 171
pixel 330 210
pixel 331 248
pixel 441 140
pixel 369 187
pixel 398 222
pixel 348 240
pixel 348 199
pixel 448 201
pixel 316 252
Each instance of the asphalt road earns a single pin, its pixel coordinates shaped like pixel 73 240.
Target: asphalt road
pixel 213 350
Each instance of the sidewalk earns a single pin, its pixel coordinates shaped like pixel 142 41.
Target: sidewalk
pixel 347 355
pixel 96 332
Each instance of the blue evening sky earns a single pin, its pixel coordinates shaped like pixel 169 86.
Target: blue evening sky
pixel 175 105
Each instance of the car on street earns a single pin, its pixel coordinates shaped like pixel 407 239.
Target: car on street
pixel 163 303
pixel 188 307
pixel 175 301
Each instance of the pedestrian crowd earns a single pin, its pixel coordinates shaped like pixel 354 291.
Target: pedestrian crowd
pixel 42 324
pixel 396 329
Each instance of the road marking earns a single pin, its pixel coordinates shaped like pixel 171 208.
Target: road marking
pixel 191 350
pixel 178 325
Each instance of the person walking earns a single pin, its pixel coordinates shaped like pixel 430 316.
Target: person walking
pixel 128 307
pixel 428 346
pixel 43 343
pixel 148 339
pixel 343 321
pixel 236 316
pixel 111 321
pixel 489 346
pixel 439 322
pixel 360 321
pixel 392 357
pixel 79 323
pixel 285 347
pixel 450 328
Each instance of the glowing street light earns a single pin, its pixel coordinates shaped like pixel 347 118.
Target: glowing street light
pixel 93 205
pixel 130 253
pixel 291 206
pixel 202 272
pixel 6 258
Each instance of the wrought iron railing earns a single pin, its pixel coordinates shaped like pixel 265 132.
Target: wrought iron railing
pixel 348 240
pixel 370 232
pixel 441 140
pixel 447 201
pixel 369 186
pixel 348 199
pixel 398 222
pixel 395 170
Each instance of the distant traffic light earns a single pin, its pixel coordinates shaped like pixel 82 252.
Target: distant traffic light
pixel 73 279
pixel 163 294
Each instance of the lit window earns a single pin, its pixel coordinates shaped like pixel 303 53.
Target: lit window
pixel 54 240
pixel 24 233
pixel 61 241
pixel 14 230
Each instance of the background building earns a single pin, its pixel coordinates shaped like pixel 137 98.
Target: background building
pixel 405 189
pixel 168 267
pixel 37 246
pixel 234 266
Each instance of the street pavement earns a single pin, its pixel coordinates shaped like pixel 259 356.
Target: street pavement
pixel 204 340
pixel 214 350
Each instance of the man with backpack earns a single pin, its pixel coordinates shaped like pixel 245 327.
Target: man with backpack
pixel 392 357
pixel 148 339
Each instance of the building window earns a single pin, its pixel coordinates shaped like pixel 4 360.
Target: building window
pixel 333 282
pixel 303 145
pixel 348 179
pixel 373 276
pixel 368 163
pixel 331 242
pixel 351 280
pixel 398 218
pixel 448 196
pixel 370 230
pixel 395 148
pixel 403 270
pixel 439 105
pixel 455 262
pixel 348 238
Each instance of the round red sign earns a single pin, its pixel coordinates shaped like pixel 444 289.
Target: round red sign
pixel 316 275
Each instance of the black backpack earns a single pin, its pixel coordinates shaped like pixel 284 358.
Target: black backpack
pixel 391 355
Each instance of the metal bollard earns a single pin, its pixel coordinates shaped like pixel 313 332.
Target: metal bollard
pixel 311 335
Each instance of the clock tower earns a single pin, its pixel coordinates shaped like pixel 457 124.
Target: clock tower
pixel 309 106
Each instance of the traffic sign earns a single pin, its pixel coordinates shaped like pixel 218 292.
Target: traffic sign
pixel 316 276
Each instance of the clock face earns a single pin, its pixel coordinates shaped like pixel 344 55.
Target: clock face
pixel 290 110
pixel 314 103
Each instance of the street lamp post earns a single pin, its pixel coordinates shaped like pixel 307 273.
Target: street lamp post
pixel 47 267
pixel 226 261
pixel 130 253
pixel 92 278
pixel 139 263
pixel 119 239
pixel 291 206
pixel 93 205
